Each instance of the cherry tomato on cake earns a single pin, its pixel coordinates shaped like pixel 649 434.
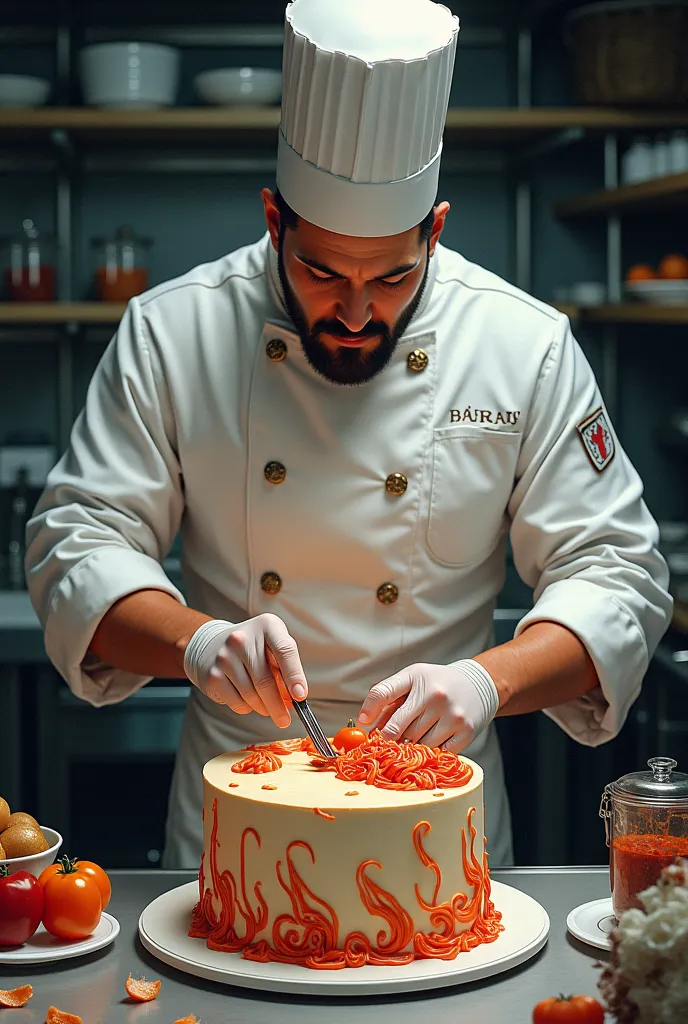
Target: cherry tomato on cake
pixel 21 906
pixel 349 738
pixel 87 867
pixel 72 902
pixel 569 1010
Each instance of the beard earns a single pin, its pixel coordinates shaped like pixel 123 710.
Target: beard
pixel 347 366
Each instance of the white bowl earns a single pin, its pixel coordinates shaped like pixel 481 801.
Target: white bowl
pixel 129 74
pixel 239 86
pixel 37 862
pixel 662 292
pixel 23 91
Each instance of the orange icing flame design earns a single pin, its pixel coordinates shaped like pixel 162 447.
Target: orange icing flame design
pixel 258 762
pixel 445 943
pixel 323 814
pixel 390 765
pixel 283 747
pixel 310 934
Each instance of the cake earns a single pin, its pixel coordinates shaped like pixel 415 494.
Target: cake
pixel 374 857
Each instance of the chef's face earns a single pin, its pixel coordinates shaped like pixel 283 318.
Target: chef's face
pixel 350 298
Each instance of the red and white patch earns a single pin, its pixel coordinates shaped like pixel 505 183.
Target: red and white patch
pixel 597 439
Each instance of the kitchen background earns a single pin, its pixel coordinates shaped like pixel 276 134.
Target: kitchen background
pixel 566 165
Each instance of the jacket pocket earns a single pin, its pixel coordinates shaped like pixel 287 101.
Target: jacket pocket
pixel 472 480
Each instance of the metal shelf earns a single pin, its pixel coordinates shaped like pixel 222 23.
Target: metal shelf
pixel 661 193
pixel 628 313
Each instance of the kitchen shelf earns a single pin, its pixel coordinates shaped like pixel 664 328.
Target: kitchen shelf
pixel 111 313
pixel 212 125
pixel 61 312
pixel 627 313
pixel 668 193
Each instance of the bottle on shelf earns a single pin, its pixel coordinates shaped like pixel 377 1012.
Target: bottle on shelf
pixel 637 163
pixel 678 152
pixel 121 265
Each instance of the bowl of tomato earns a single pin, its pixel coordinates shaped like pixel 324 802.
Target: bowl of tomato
pixel 35 863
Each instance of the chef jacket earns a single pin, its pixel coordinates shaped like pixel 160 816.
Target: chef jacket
pixel 372 519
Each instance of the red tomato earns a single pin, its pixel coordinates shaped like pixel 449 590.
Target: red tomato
pixel 87 867
pixel 569 1010
pixel 72 903
pixel 21 906
pixel 349 738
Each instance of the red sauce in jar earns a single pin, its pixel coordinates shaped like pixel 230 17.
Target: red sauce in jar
pixel 637 862
pixel 31 285
pixel 120 285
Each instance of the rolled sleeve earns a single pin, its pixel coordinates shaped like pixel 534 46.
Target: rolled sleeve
pixel 80 601
pixel 584 540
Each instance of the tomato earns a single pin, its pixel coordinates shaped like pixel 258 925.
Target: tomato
pixel 73 904
pixel 87 867
pixel 641 272
pixel 349 738
pixel 21 906
pixel 673 267
pixel 569 1010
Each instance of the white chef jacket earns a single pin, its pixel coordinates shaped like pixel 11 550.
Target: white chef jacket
pixel 205 382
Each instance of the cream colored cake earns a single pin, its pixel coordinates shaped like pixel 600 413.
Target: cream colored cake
pixel 302 866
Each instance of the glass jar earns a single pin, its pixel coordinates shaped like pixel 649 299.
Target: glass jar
pixel 29 273
pixel 121 265
pixel 646 821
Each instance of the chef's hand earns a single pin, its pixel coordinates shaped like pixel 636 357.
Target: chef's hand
pixel 249 666
pixel 439 705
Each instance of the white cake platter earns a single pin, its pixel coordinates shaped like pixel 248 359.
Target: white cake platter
pixel 164 924
pixel 592 923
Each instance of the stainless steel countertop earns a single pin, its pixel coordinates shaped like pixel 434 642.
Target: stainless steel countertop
pixel 93 987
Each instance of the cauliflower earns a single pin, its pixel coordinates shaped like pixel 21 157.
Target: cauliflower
pixel 646 980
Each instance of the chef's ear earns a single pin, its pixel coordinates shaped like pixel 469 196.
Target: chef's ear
pixel 441 212
pixel 272 216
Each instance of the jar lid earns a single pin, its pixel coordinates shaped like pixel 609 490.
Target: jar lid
pixel 125 233
pixel 661 783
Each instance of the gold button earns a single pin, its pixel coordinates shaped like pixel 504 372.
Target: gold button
pixel 418 360
pixel 271 583
pixel 396 483
pixel 276 350
pixel 275 473
pixel 387 593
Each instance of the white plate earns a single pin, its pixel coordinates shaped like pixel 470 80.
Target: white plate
pixel 164 924
pixel 667 293
pixel 43 948
pixel 592 922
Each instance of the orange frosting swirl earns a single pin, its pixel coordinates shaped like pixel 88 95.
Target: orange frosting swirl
pixel 390 765
pixel 258 762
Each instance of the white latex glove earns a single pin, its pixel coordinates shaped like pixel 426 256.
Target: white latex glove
pixel 439 705
pixel 240 664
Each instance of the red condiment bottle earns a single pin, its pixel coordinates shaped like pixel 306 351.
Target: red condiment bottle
pixel 121 265
pixel 646 821
pixel 30 275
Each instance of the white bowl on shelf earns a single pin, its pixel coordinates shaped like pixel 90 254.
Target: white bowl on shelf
pixel 23 91
pixel 129 75
pixel 659 291
pixel 37 862
pixel 239 86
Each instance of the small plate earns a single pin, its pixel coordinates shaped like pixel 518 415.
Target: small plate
pixel 43 948
pixel 592 922
pixel 663 292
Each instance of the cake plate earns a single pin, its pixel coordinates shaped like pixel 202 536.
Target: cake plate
pixel 164 924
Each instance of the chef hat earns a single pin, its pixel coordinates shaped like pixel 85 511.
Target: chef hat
pixel 364 100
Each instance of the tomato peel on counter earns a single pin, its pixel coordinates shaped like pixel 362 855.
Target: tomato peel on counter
pixel 14 997
pixel 86 867
pixel 141 990
pixel 56 1016
pixel 349 737
pixel 188 1020
pixel 21 906
pixel 72 902
pixel 569 1010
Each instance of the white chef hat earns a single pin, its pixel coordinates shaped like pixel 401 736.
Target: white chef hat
pixel 364 100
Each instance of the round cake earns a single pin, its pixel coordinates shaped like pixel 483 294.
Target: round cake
pixel 374 857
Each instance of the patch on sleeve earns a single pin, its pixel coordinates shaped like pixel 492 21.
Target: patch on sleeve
pixel 597 439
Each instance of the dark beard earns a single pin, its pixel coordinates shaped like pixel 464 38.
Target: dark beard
pixel 347 366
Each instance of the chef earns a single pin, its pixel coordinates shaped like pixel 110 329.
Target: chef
pixel 346 420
